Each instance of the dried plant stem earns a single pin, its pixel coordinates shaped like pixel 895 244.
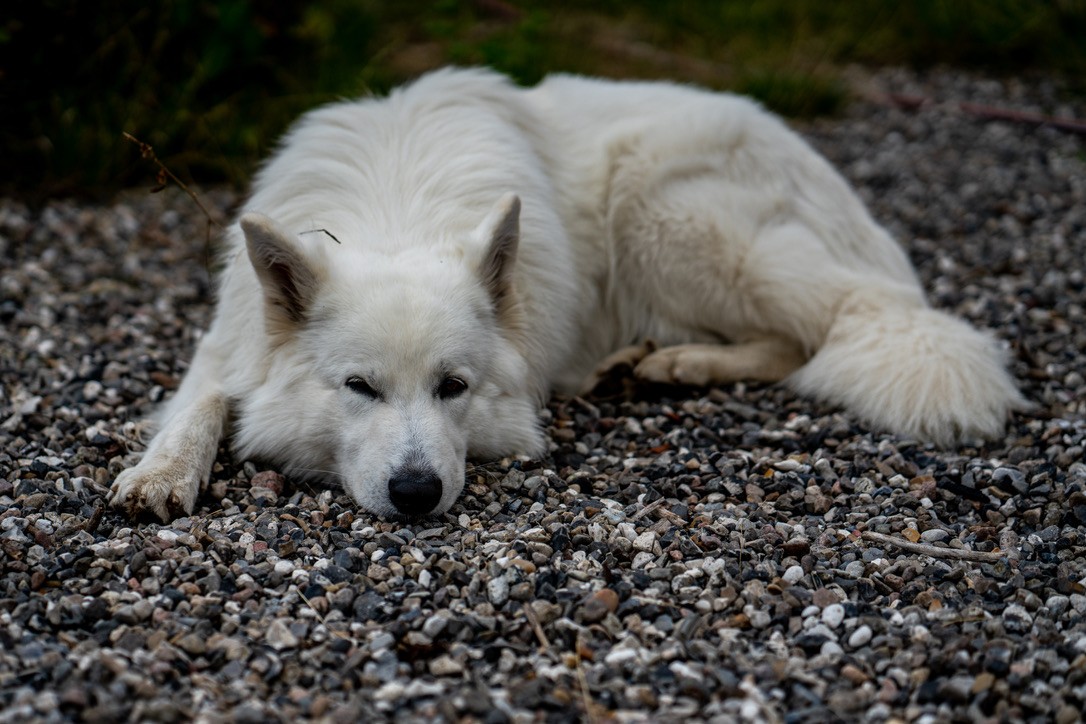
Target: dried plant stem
pixel 933 551
pixel 163 174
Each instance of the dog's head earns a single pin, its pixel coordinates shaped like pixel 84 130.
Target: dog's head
pixel 410 351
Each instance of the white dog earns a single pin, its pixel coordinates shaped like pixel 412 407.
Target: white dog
pixel 413 276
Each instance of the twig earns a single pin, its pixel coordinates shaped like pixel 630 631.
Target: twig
pixel 533 621
pixel 296 521
pixel 1004 114
pixel 96 518
pixel 929 550
pixel 320 616
pixel 648 508
pixel 585 695
pixel 913 103
pixel 545 644
pixel 318 231
pixel 147 152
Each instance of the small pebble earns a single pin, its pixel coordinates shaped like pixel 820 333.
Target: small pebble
pixel 793 574
pixel 833 615
pixel 860 637
pixel 598 605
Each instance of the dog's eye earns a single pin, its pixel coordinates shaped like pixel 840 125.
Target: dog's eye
pixel 361 387
pixel 451 387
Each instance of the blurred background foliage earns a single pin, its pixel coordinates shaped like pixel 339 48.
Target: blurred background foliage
pixel 211 84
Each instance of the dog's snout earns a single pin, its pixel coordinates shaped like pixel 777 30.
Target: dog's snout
pixel 414 491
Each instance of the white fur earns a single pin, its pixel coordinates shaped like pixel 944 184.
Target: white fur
pixel 647 210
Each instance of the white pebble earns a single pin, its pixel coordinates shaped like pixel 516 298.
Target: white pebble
pixel 279 636
pixel 497 590
pixel 759 619
pixel 920 634
pixel 91 390
pixel 833 615
pixel 381 640
pixel 793 574
pixel 820 629
pixel 389 692
pixel 934 535
pixel 435 625
pixel 446 665
pixel 645 542
pixel 860 637
pixel 831 648
pixel 619 656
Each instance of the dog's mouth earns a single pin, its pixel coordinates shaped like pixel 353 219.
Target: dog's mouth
pixel 409 518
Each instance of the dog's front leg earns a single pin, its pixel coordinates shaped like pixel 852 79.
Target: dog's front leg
pixel 178 461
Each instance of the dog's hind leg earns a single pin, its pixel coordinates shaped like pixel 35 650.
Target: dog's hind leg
pixel 768 359
pixel 178 461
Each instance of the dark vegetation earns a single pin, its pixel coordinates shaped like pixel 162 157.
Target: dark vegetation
pixel 210 84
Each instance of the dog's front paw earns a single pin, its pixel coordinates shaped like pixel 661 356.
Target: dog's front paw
pixel 164 488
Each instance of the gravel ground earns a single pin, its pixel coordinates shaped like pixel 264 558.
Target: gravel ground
pixel 740 555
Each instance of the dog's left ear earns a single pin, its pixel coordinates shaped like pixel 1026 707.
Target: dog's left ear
pixel 501 229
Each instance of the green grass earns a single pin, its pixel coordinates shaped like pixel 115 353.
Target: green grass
pixel 212 83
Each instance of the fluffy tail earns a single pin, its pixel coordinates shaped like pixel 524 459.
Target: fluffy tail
pixel 913 371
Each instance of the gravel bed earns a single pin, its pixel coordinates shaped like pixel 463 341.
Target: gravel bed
pixel 731 555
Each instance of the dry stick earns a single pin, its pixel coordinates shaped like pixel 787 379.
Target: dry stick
pixel 589 714
pixel 147 151
pixel 529 613
pixel 1002 114
pixel 648 509
pixel 96 518
pixel 930 550
pixel 1071 125
pixel 320 616
pixel 545 644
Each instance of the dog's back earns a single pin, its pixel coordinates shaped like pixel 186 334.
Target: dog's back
pixel 710 221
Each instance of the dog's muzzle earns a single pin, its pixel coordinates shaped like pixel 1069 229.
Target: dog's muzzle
pixel 414 491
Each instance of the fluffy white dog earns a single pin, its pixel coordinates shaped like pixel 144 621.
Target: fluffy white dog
pixel 413 276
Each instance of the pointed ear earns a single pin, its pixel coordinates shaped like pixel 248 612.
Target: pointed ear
pixel 501 230
pixel 289 280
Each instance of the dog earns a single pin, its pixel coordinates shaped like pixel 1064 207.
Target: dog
pixel 413 276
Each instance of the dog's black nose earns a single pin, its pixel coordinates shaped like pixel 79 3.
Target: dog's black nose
pixel 414 491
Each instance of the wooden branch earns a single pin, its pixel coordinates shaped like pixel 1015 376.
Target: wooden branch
pixel 1004 114
pixel 935 552
pixel 533 621
pixel 992 113
pixel 147 151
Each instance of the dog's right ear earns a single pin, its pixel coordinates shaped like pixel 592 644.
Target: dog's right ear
pixel 290 282
pixel 501 232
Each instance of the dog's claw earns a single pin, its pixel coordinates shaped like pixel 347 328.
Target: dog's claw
pixel 164 490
